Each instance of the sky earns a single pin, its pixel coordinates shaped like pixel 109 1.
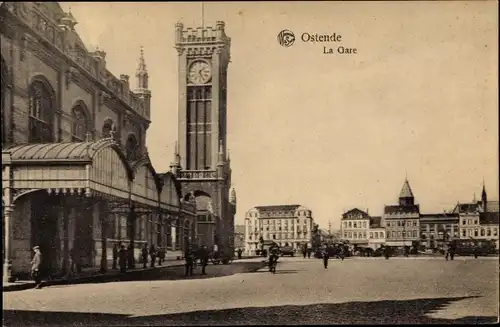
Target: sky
pixel 330 132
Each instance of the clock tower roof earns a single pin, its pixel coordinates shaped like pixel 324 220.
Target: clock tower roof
pixel 195 36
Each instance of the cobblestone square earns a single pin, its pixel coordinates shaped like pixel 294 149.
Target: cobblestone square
pixel 357 290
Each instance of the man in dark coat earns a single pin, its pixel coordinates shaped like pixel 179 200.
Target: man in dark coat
pixel 386 252
pixel 116 248
pixel 152 254
pixel 342 251
pixel 36 267
pixel 326 255
pixel 452 250
pixel 161 255
pixel 144 255
pixel 240 251
pixel 189 257
pixel 203 256
pixel 122 259
pixel 130 256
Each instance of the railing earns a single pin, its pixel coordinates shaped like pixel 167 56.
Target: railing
pixel 198 174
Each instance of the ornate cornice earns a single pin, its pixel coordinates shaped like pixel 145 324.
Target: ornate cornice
pixel 180 50
pixel 45 32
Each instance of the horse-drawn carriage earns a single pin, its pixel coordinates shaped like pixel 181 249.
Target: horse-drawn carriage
pixel 222 255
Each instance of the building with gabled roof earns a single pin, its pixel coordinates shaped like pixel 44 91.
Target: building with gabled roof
pixel 402 220
pixel 437 228
pixel 354 227
pixel 479 219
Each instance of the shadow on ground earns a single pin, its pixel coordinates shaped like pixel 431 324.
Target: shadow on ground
pixel 279 271
pixel 377 312
pixel 166 273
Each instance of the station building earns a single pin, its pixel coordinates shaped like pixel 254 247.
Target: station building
pixel 76 173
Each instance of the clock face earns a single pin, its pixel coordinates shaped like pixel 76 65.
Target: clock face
pixel 200 72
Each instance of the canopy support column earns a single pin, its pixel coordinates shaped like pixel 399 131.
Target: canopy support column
pixel 7 266
pixel 132 217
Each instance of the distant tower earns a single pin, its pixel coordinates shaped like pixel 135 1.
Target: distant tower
pixel 175 165
pixel 406 197
pixel 142 88
pixel 484 197
pixel 232 198
pixel 203 63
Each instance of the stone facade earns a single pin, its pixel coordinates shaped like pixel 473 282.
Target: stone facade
pixel 355 227
pixel 201 162
pixel 56 91
pixel 239 237
pixel 436 229
pixel 287 225
pixel 404 225
pixel 402 220
pixel 478 219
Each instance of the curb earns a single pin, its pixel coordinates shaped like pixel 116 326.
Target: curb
pixel 93 278
pixel 85 279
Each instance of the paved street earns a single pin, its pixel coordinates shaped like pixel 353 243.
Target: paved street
pixel 372 290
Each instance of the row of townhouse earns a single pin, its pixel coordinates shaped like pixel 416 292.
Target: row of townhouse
pixel 404 225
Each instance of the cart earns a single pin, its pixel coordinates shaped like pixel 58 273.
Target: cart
pixel 224 256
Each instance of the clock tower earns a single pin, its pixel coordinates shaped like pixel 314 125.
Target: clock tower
pixel 201 162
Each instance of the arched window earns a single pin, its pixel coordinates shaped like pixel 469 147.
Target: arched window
pixel 80 124
pixel 131 147
pixel 41 113
pixel 108 127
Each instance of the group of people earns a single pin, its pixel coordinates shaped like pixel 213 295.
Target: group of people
pixel 449 251
pixel 124 257
pixel 191 256
pixel 306 251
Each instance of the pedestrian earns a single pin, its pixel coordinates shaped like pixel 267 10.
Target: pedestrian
pixel 240 251
pixel 215 251
pixel 130 257
pixel 203 255
pixel 309 251
pixel 122 259
pixel 188 256
pixel 407 251
pixel 342 252
pixel 386 252
pixel 115 254
pixel 144 255
pixel 304 251
pixel 152 254
pixel 325 255
pixel 161 255
pixel 36 267
pixel 75 260
pixel 446 248
pixel 452 251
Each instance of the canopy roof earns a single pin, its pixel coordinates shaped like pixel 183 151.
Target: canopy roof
pixel 88 168
pixel 70 151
